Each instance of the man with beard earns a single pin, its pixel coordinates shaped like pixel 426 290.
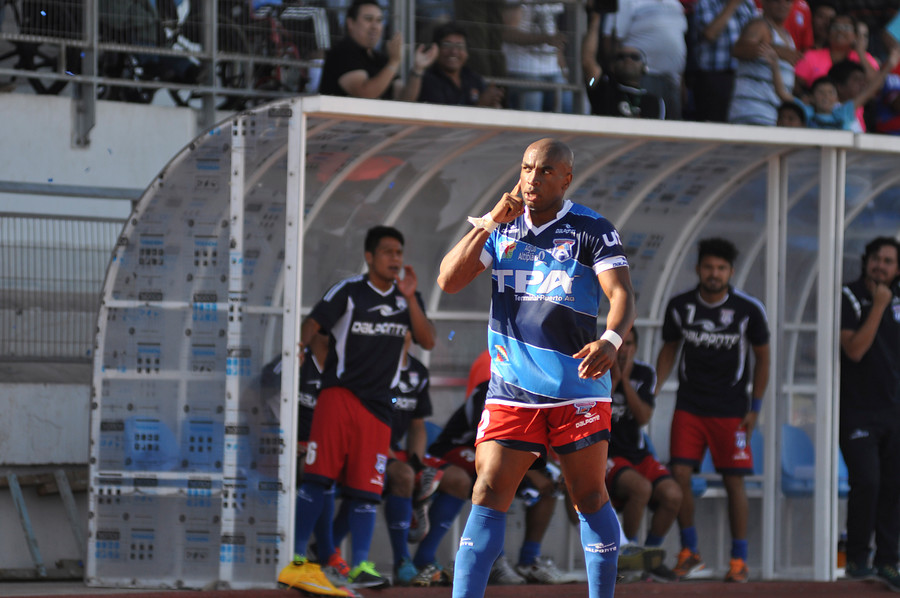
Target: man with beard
pixel 870 412
pixel 718 325
pixel 619 92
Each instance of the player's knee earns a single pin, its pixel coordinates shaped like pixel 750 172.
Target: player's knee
pixel 401 479
pixel 668 496
pixel 456 482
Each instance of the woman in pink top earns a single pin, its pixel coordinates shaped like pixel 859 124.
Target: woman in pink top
pixel 843 44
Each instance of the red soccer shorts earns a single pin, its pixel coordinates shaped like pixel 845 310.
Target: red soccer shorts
pixel 347 444
pixel 728 444
pixel 649 467
pixel 462 456
pixel 566 428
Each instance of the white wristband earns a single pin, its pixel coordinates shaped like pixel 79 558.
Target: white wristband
pixel 485 222
pixel 613 337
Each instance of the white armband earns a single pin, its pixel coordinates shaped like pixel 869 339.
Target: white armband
pixel 613 337
pixel 485 222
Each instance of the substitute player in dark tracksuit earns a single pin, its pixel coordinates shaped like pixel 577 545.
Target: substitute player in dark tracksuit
pixel 718 327
pixel 870 412
pixel 368 317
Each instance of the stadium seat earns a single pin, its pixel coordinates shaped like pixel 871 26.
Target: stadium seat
pixel 798 459
pixel 432 430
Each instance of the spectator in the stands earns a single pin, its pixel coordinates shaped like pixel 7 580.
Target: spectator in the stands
pixel 825 110
pixel 717 26
pixel 534 45
pixel 656 28
pixel 823 14
pixel 618 92
pixel 790 114
pixel 449 80
pixel 799 24
pixel 843 44
pixel 353 67
pixel 755 100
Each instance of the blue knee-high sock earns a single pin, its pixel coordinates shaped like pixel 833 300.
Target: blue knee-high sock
pixel 340 527
pixel 443 510
pixel 311 499
pixel 600 539
pixel 362 526
pixel 739 549
pixel 397 513
pixel 529 552
pixel 689 538
pixel 324 538
pixel 653 540
pixel 479 547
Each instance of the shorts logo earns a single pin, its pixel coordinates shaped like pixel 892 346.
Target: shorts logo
pixel 381 463
pixel 583 408
pixel 501 356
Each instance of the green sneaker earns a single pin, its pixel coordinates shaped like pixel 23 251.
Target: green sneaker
pixel 364 575
pixel 887 574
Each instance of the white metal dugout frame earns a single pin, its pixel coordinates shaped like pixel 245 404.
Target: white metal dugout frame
pixel 190 472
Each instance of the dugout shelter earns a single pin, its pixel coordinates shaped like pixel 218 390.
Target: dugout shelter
pixel 246 227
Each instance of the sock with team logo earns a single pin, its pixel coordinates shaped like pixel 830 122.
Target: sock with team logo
pixel 600 539
pixel 479 547
pixel 397 513
pixel 444 509
pixel 362 527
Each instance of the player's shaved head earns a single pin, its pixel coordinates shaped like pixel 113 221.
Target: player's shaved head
pixel 555 150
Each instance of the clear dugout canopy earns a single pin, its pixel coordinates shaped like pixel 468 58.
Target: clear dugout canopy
pixel 246 228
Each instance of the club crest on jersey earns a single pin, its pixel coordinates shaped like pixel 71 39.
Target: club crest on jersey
pixel 726 316
pixel 897 312
pixel 502 356
pixel 381 463
pixel 402 305
pixel 562 249
pixel 507 250
pixel 583 408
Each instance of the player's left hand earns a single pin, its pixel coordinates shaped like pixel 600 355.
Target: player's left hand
pixel 749 422
pixel 407 285
pixel 596 359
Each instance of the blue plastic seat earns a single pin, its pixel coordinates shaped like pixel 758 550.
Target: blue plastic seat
pixel 432 431
pixel 843 476
pixel 798 461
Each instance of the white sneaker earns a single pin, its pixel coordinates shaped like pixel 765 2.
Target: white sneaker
pixel 503 574
pixel 543 570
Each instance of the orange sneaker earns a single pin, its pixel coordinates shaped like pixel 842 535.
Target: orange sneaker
pixel 737 571
pixel 337 562
pixel 688 562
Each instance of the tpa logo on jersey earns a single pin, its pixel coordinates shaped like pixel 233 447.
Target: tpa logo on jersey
pixel 381 463
pixel 583 408
pixel 726 316
pixel 562 249
pixel 501 355
pixel 507 250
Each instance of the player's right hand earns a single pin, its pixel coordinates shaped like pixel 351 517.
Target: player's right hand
pixel 510 207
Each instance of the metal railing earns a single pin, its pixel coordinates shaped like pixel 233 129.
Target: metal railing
pixel 51 276
pixel 208 54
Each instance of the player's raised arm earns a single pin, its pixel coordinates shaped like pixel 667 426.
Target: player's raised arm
pixel 463 263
